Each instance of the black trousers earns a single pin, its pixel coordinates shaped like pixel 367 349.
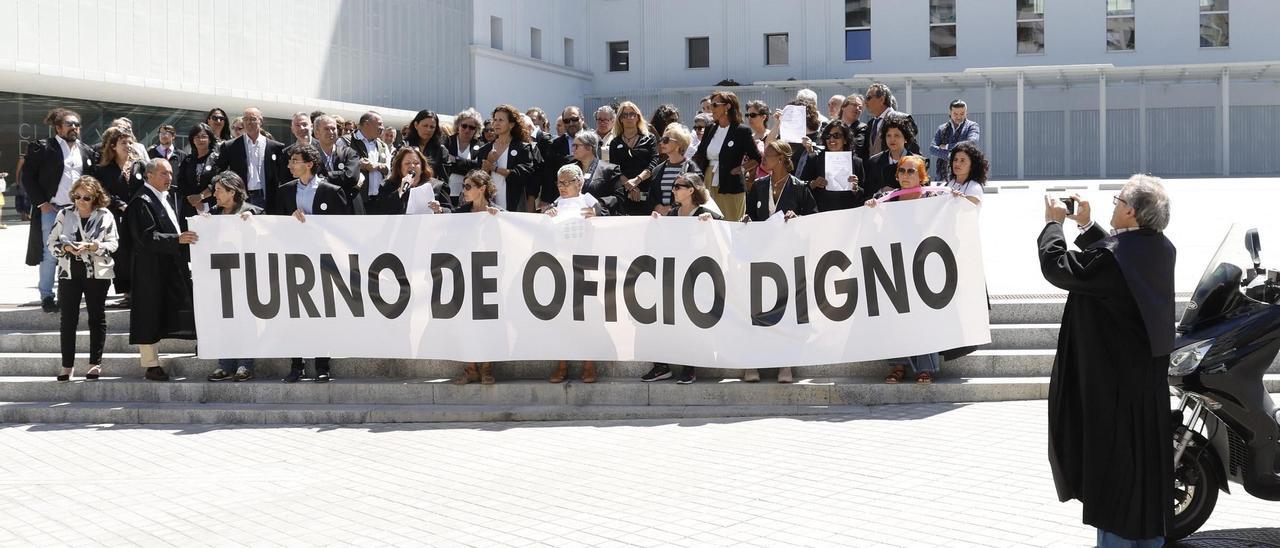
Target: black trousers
pixel 95 299
pixel 322 365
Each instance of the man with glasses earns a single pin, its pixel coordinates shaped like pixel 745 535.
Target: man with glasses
pixel 604 130
pixel 165 148
pixel 561 152
pixel 258 160
pixel 51 166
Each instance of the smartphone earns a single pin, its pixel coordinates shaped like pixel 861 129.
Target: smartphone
pixel 1070 203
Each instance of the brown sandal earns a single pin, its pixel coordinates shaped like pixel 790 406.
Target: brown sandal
pixel 896 376
pixel 924 377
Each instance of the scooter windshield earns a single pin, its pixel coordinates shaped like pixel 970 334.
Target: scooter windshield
pixel 1219 287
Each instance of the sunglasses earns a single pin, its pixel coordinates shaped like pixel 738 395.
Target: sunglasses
pixel 469 127
pixel 71 123
pixel 699 128
pixel 573 120
pixel 469 186
pixel 82 198
pixel 835 136
pixel 904 170
pixel 218 118
pixel 664 140
pixel 682 185
pixel 719 103
pixel 754 114
pixel 630 115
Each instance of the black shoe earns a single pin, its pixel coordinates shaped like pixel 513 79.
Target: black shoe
pixel 294 375
pixel 219 374
pixel 686 376
pixel 156 374
pixel 49 305
pixel 323 377
pixel 658 373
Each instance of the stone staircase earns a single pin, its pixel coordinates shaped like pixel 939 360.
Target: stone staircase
pixel 1016 366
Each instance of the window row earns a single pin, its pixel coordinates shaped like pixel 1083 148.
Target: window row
pixel 535 41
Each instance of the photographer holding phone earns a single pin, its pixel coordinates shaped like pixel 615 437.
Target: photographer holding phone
pixel 1109 426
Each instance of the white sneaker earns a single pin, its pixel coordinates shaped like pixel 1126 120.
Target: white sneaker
pixel 751 375
pixel 784 375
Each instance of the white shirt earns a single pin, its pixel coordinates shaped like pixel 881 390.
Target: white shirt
pixel 971 188
pixel 500 181
pixel 254 152
pixel 713 154
pixel 72 169
pixel 375 176
pixel 164 202
pixel 455 179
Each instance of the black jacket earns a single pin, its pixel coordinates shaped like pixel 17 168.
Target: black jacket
pixel 795 197
pixel 558 154
pixel 162 309
pixel 739 143
pixel 880 173
pixel 463 166
pixel 329 199
pixel 829 200
pixel 342 170
pixel 392 202
pixel 175 154
pixel 40 177
pixel 656 196
pixel 523 162
pixel 606 185
pixel 193 178
pixel 233 155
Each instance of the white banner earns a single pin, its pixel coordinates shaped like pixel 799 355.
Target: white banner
pixel 896 280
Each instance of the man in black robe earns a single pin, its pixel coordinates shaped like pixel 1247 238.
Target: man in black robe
pixel 1110 436
pixel 162 306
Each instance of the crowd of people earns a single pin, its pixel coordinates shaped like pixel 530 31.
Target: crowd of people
pixel 115 213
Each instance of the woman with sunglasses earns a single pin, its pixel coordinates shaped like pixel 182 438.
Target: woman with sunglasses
pixel 633 149
pixel 691 197
pixel 464 150
pixel 478 194
pixel 726 152
pixel 82 240
pixel 217 121
pixel 672 163
pixel 120 172
pixel 838 138
pixel 912 175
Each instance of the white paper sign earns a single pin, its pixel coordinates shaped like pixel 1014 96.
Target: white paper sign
pixel 419 197
pixel 792 128
pixel 839 166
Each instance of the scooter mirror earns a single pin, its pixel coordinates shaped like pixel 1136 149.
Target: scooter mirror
pixel 1254 245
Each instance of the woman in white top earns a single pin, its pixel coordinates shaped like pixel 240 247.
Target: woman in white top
pixel 968 172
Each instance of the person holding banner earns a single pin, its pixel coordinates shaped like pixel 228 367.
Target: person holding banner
pixel 231 198
pixel 572 200
pixel 781 193
pixel 160 237
pixel 310 194
pixel 912 176
pixel 602 180
pixel 410 169
pixel 82 240
pixel 839 139
pixel 968 171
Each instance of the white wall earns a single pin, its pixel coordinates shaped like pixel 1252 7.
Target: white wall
pixel 402 54
pixel 524 83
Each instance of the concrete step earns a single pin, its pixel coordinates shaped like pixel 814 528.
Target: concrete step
pixel 1015 336
pixel 34 318
pixel 609 391
pixel 1044 310
pixel 265 413
pixel 982 363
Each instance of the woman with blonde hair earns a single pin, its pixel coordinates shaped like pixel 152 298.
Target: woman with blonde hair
pixel 83 237
pixel 632 150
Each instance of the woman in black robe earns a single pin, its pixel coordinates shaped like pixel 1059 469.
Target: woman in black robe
pixel 1110 434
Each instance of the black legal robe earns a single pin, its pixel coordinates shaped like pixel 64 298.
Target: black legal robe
pixel 162 306
pixel 1110 434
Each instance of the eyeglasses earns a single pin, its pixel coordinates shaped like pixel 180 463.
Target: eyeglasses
pixel 82 198
pixel 682 185
pixel 754 114
pixel 1117 200
pixel 904 170
pixel 603 120
pixel 630 115
pixel 468 127
pixel 71 123
pixel 563 184
pixel 699 128
pixel 573 120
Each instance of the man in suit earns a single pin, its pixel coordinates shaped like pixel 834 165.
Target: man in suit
pixel 957 130
pixel 309 194
pixel 375 159
pixel 605 117
pixel 560 153
pixel 160 256
pixel 259 161
pixel 51 166
pixel 165 147
pixel 880 103
pixel 339 164
pixel 545 176
pixel 301 128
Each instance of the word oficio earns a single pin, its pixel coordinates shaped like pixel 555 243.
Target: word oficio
pixel 296 287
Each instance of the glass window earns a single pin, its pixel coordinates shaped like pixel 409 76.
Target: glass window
pixel 942 28
pixel 568 52
pixel 699 54
pixel 776 46
pixel 857 30
pixel 535 43
pixel 1215 24
pixel 495 32
pixel 1030 15
pixel 1121 25
pixel 619 57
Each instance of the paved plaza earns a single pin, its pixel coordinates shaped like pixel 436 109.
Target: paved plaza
pixel 909 475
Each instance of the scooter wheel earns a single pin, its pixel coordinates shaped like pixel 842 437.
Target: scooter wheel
pixel 1195 490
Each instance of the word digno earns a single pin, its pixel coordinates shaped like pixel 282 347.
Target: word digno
pixel 312 286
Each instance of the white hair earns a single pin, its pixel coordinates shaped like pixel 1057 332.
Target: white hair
pixel 571 170
pixel 807 94
pixel 607 110
pixel 1146 195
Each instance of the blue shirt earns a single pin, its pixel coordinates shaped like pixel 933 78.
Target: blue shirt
pixel 307 194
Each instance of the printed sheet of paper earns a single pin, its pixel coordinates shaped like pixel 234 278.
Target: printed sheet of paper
pixel 419 197
pixel 839 166
pixel 792 128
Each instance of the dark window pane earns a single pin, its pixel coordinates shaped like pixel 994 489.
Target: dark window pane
pixel 776 49
pixel 857 45
pixel 942 11
pixel 1120 34
pixel 1030 9
pixel 857 13
pixel 942 41
pixel 1215 30
pixel 1214 5
pixel 1031 37
pixel 619 57
pixel 699 52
